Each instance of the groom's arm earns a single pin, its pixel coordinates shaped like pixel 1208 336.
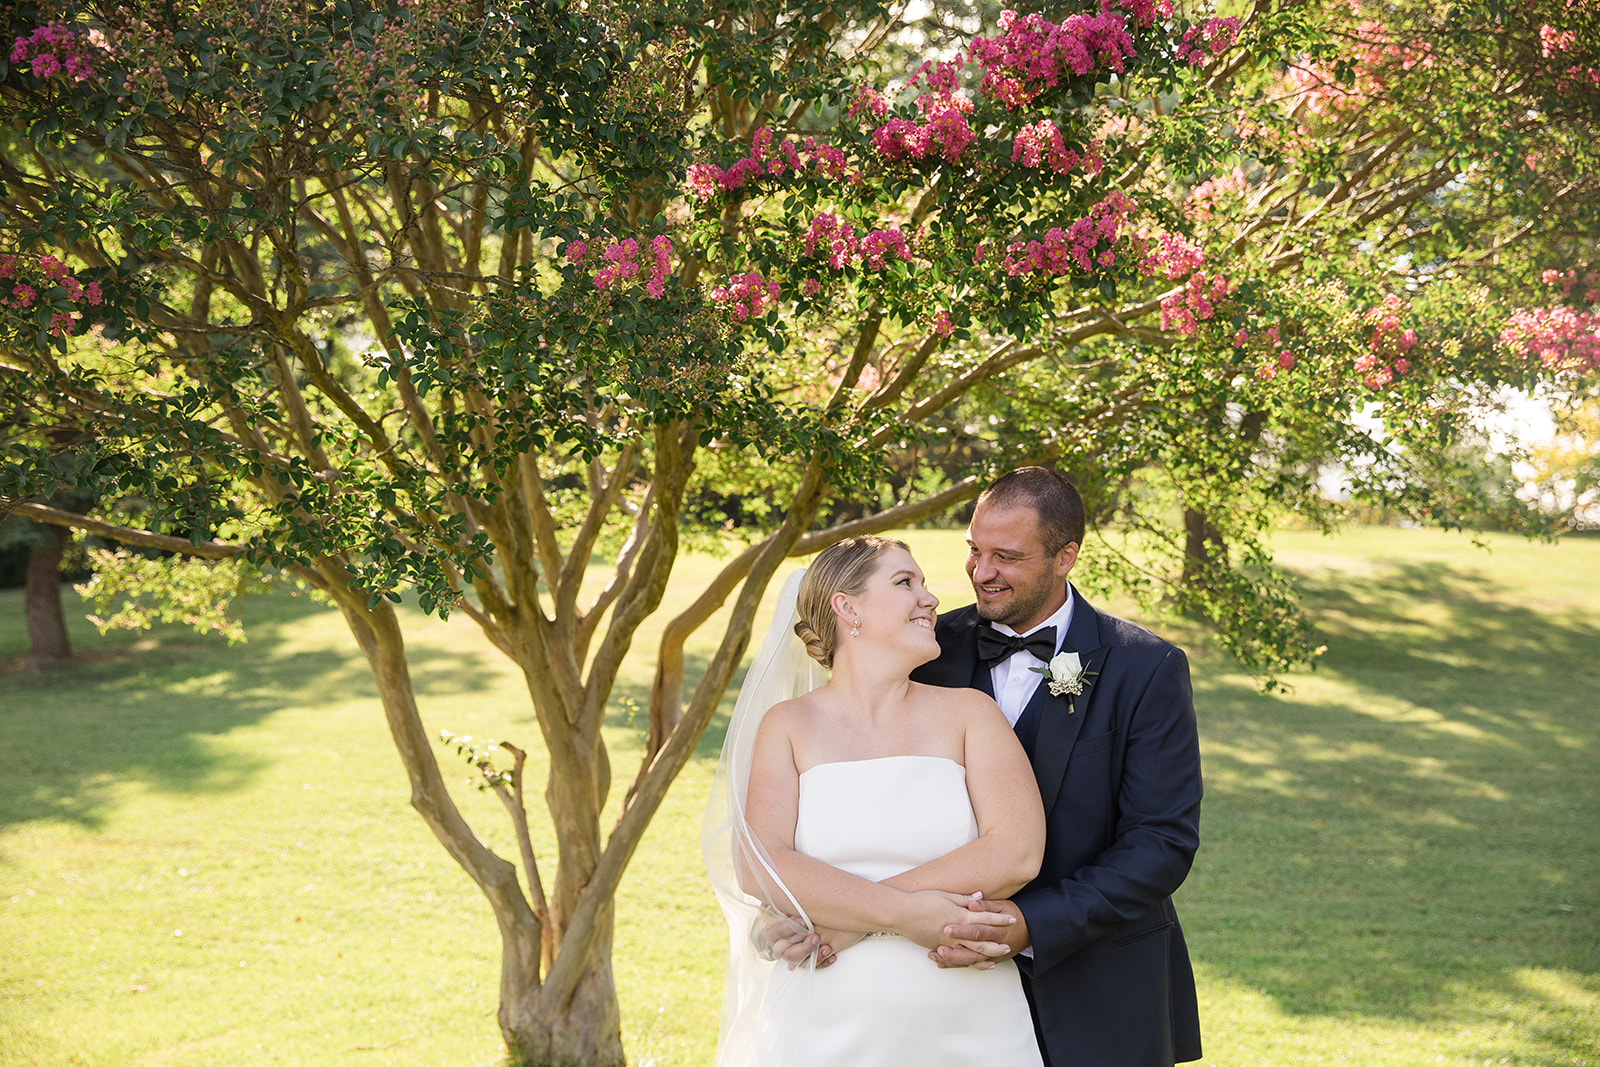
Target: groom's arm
pixel 1157 831
pixel 1156 835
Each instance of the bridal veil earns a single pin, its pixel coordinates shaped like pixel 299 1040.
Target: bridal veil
pixel 758 906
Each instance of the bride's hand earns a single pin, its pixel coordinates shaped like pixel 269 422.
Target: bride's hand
pixel 929 911
pixel 833 943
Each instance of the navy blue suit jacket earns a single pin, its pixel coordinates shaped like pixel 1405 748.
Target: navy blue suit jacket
pixel 1110 980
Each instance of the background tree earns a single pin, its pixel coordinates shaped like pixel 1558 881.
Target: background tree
pixel 43 547
pixel 45 555
pixel 456 299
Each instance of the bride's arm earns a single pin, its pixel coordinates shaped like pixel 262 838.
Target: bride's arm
pixel 1009 847
pixel 831 897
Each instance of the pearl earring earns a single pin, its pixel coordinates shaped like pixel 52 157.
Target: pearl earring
pixel 855 627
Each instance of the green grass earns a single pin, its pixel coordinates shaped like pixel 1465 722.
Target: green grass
pixel 206 855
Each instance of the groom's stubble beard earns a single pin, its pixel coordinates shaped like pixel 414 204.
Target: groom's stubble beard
pixel 1027 606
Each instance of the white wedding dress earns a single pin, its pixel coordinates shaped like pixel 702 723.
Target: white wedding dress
pixel 884 1003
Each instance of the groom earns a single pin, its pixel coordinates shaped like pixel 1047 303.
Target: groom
pixel 1118 766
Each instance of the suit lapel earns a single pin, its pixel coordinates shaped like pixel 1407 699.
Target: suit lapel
pixel 982 676
pixel 958 665
pixel 1059 729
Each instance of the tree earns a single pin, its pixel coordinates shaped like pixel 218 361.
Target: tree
pixel 1562 474
pixel 47 624
pixel 45 548
pixel 456 299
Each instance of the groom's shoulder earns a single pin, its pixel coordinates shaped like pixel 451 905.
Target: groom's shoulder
pixel 1124 633
pixel 954 631
pixel 954 625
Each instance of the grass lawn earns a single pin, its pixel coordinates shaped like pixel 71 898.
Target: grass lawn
pixel 206 854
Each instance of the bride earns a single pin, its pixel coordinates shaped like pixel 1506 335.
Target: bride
pixel 860 817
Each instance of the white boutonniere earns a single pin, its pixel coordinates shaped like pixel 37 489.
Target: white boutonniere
pixel 1066 677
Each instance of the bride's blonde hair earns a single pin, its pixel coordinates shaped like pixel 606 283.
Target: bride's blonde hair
pixel 842 567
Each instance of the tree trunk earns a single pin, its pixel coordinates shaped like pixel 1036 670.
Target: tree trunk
pixel 1205 550
pixel 1203 547
pixel 47 625
pixel 540 1026
pixel 586 1031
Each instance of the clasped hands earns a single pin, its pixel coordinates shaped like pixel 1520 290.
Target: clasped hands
pixel 993 930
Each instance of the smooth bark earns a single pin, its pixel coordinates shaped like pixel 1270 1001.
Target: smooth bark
pixel 47 625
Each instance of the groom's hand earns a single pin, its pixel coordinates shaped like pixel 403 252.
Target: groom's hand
pixel 1014 937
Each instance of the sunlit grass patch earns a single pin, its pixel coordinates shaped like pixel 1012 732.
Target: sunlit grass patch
pixel 206 855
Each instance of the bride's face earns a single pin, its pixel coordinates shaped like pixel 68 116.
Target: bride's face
pixel 894 608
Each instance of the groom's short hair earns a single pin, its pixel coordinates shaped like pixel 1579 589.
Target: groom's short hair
pixel 1051 496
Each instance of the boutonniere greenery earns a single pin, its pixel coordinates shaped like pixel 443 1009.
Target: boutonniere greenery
pixel 1066 677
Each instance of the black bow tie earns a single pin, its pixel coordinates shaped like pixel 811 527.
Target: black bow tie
pixel 994 645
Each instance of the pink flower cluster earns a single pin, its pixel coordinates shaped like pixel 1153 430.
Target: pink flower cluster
pixel 23 280
pixel 1172 256
pixel 622 263
pixel 56 49
pixel 1269 370
pixel 1041 142
pixel 1569 279
pixel 1031 54
pixel 1553 41
pixel 1183 311
pixel 1381 50
pixel 1552 44
pixel 1203 43
pixel 868 100
pixel 1376 53
pixel 940 76
pixel 661 251
pixel 748 294
pixel 1561 338
pixel 836 239
pixel 705 180
pixel 1144 12
pixel 945 130
pixel 60 274
pixel 1079 245
pixel 1389 346
pixel 878 245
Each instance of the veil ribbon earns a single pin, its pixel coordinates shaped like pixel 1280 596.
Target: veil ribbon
pixel 758 989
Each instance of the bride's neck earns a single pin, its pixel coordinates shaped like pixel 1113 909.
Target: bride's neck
pixel 875 690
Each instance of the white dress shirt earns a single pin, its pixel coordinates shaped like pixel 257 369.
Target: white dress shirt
pixel 1014 682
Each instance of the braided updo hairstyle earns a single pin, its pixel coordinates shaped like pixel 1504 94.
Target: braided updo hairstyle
pixel 842 567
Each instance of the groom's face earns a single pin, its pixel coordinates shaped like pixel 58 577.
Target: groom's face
pixel 1015 580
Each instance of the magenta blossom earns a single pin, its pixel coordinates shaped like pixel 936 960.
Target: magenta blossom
pixel 1557 338
pixel 1174 256
pixel 1205 42
pixel 1182 311
pixel 747 295
pixel 56 49
pixel 1032 54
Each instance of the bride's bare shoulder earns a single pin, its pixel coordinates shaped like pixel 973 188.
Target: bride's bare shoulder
pixel 962 701
pixel 952 696
pixel 790 717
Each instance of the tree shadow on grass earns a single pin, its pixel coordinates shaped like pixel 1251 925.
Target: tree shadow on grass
pixel 1411 833
pixel 148 706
